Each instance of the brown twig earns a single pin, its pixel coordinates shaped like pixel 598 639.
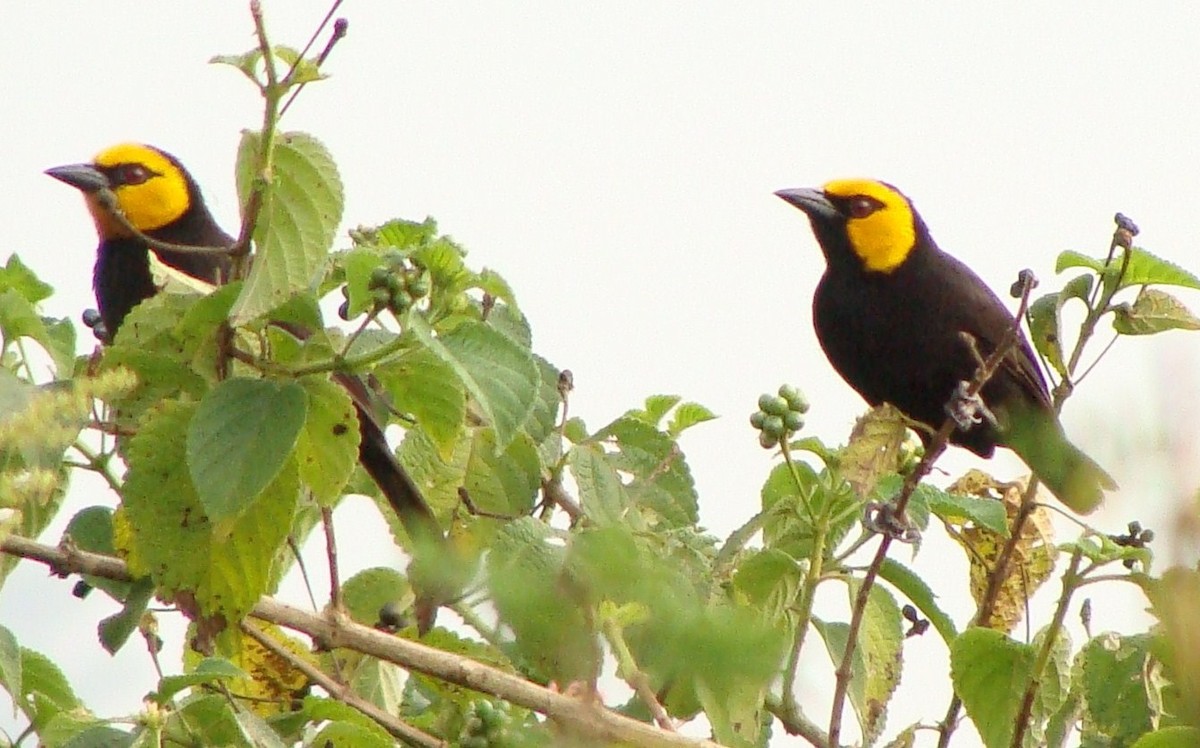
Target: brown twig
pixel 334 630
pixel 340 26
pixel 935 449
pixel 331 555
pixel 108 201
pixel 555 494
pixel 398 729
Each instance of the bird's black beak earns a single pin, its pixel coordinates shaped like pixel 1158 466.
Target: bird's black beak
pixel 83 177
pixel 812 202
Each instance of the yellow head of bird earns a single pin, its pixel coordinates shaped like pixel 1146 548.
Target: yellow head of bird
pixel 151 189
pixel 880 223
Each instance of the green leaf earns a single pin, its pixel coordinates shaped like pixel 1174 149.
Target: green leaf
pixel 687 415
pixel 365 731
pixel 491 283
pixel 243 433
pixel 792 501
pixel 424 385
pixel 17 276
pixel 544 417
pixel 175 542
pixel 301 210
pixel 344 735
pixel 770 580
pixel 368 591
pixel 44 683
pixel 657 407
pixel 505 482
pixel 247 62
pixel 1054 687
pixel 10 664
pixel 500 375
pixel 357 264
pixel 1115 669
pixel 18 318
pixel 327 446
pixel 914 588
pixel 59 342
pixel 1153 311
pixel 601 491
pixel 207 719
pixel 661 480
pixel 525 577
pixel 210 670
pixel 876 662
pixel 1170 737
pixel 1071 259
pixel 957 508
pixel 1045 331
pixel 1145 268
pixel 990 673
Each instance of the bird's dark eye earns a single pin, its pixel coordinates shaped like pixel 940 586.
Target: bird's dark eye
pixel 133 174
pixel 861 206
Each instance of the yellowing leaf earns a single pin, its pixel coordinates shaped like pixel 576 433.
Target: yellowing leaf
pixel 874 449
pixel 1031 565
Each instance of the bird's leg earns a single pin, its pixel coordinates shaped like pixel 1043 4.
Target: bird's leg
pixel 968 409
pixel 882 518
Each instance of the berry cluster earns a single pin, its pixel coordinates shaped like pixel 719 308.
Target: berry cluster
pixel 779 416
pixel 395 286
pixel 1137 537
pixel 485 725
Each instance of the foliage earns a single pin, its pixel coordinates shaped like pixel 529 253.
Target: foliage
pixel 579 545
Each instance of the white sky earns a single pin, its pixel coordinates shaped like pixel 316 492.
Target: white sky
pixel 615 161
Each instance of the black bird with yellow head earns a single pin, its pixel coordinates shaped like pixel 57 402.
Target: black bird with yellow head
pixel 158 197
pixel 889 312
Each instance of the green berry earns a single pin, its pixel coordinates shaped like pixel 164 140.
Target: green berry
pixel 399 304
pixel 794 420
pixel 767 441
pixel 773 425
pixel 381 297
pixel 757 419
pixel 773 405
pixel 418 286
pixel 795 398
pixel 379 278
pixel 492 717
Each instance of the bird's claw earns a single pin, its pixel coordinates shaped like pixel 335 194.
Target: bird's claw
pixel 968 409
pixel 882 518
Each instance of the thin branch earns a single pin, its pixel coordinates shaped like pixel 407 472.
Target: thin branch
pixel 1069 585
pixel 628 670
pixel 331 554
pixel 556 495
pixel 340 27
pixel 398 729
pixel 108 201
pixel 333 630
pixel 935 449
pixel 796 723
